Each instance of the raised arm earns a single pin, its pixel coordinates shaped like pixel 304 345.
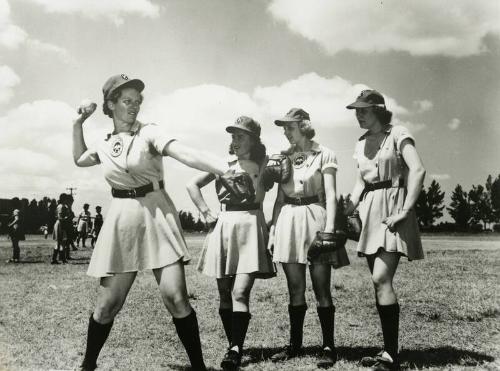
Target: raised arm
pixel 81 155
pixel 194 189
pixel 330 198
pixel 195 158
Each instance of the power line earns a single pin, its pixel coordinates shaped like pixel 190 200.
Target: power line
pixel 71 189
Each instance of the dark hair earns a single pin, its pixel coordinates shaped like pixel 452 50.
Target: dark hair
pixel 383 115
pixel 113 97
pixel 257 152
pixel 86 206
pixel 63 198
pixel 306 129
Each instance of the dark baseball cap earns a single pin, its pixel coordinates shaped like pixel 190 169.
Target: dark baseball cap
pixel 294 115
pixel 246 124
pixel 117 81
pixel 368 98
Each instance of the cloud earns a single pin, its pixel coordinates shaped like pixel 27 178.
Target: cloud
pixel 454 124
pixel 424 27
pixel 11 36
pixel 414 127
pixel 423 105
pixel 8 80
pixel 114 10
pixel 440 176
pixel 38 46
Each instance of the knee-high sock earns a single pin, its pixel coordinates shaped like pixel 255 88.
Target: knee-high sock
pixel 389 318
pixel 297 314
pixel 239 327
pixel 189 334
pixel 327 319
pixel 226 315
pixel 54 255
pixel 97 335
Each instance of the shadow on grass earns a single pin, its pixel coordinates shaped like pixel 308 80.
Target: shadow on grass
pixel 187 368
pixel 429 357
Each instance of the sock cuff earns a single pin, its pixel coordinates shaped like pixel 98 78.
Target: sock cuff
pixel 97 324
pixel 186 319
pixel 326 310
pixel 243 315
pixel 388 309
pixel 297 308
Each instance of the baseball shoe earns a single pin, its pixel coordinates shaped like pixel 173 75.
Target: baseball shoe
pixel 86 367
pixel 287 353
pixel 327 357
pixel 231 360
pixel 381 362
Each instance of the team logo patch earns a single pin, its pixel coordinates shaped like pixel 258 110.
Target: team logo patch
pixel 117 147
pixel 125 77
pixel 299 160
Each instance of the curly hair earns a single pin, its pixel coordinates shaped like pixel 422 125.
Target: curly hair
pixel 306 129
pixel 257 152
pixel 113 97
pixel 383 115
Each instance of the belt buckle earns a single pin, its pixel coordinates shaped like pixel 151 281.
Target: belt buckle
pixel 132 193
pixel 299 199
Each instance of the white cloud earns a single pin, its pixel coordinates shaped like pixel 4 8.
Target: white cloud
pixel 38 46
pixel 440 176
pixel 454 124
pixel 423 105
pixel 11 36
pixel 414 127
pixel 114 10
pixel 424 27
pixel 8 80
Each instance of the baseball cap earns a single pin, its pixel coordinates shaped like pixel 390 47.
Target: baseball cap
pixel 368 98
pixel 246 124
pixel 120 80
pixel 294 115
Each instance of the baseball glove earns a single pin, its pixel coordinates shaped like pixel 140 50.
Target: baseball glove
pixel 235 188
pixel 326 242
pixel 354 225
pixel 278 170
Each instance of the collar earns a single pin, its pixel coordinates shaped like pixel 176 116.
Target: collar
pixel 133 130
pixel 315 149
pixel 387 130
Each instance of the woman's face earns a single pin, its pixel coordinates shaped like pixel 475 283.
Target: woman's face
pixel 292 132
pixel 241 143
pixel 127 106
pixel 366 118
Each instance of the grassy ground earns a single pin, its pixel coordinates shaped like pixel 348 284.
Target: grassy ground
pixel 450 313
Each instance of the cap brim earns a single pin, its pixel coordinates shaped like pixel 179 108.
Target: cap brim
pixel 285 121
pixel 360 105
pixel 232 129
pixel 135 83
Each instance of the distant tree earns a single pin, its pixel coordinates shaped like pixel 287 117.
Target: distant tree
pixel 199 226
pixel 460 209
pixel 493 187
pixel 187 220
pixel 429 206
pixel 482 209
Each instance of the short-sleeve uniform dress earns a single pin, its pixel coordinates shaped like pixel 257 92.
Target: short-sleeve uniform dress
pixel 375 206
pixel 60 231
pixel 138 233
pixel 297 225
pixel 83 223
pixel 238 242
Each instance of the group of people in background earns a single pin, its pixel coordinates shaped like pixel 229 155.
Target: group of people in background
pixel 142 229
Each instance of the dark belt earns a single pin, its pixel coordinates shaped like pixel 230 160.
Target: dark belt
pixel 301 200
pixel 381 185
pixel 242 207
pixel 135 192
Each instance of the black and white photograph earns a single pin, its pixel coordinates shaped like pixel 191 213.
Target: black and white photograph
pixel 249 185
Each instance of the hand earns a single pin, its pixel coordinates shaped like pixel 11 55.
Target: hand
pixel 392 220
pixel 270 244
pixel 210 219
pixel 86 109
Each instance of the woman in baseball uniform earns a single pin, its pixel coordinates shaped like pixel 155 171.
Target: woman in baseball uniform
pixel 389 179
pixel 305 205
pixel 83 225
pixel 235 252
pixel 142 229
pixel 60 232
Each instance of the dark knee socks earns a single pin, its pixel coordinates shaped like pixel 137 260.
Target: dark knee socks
pixel 327 319
pixel 297 314
pixel 389 318
pixel 239 327
pixel 226 316
pixel 189 334
pixel 97 335
pixel 54 255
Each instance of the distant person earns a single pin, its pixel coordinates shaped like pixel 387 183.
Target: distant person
pixel 83 225
pixel 98 221
pixel 61 231
pixel 16 234
pixel 389 179
pixel 142 228
pixel 71 227
pixel 235 252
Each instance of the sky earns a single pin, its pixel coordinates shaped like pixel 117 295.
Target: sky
pixel 205 63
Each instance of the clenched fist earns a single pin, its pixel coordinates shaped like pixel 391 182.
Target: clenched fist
pixel 86 108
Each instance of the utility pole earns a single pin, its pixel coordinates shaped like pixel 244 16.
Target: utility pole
pixel 71 189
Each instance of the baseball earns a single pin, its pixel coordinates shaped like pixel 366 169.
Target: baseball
pixel 87 106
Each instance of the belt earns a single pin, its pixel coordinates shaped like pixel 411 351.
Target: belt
pixel 381 185
pixel 301 200
pixel 242 207
pixel 135 192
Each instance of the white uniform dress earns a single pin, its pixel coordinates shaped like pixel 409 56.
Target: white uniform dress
pixel 238 242
pixel 83 222
pixel 388 164
pixel 297 225
pixel 138 233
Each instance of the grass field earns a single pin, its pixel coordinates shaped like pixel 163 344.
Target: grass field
pixel 449 301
